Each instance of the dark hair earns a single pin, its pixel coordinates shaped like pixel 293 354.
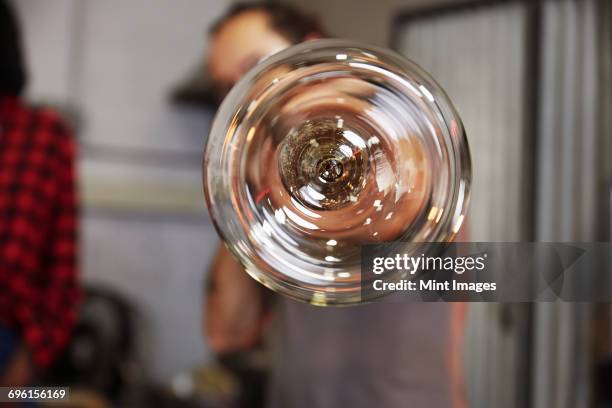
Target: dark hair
pixel 12 71
pixel 291 23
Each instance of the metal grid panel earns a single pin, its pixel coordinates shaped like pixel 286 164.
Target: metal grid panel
pixel 478 56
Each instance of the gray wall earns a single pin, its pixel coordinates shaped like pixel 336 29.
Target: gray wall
pixel 145 232
pixel 364 20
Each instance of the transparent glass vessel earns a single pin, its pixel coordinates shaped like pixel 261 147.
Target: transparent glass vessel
pixel 325 147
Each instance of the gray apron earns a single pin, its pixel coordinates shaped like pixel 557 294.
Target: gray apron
pixel 383 355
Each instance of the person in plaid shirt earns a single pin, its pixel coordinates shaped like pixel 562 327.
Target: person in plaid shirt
pixel 38 285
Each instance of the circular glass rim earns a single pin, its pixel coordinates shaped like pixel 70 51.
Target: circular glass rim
pixel 224 129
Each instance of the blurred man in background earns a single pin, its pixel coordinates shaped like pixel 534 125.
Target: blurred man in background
pixel 384 355
pixel 38 287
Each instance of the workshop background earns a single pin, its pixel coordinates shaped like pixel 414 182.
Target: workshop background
pixel 531 80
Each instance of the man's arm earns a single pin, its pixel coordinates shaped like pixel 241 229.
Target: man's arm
pixel 458 319
pixel 236 314
pixel 459 313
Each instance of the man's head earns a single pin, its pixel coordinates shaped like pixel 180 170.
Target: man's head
pixel 250 32
pixel 12 70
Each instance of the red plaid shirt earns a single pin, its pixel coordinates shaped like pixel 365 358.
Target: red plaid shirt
pixel 38 286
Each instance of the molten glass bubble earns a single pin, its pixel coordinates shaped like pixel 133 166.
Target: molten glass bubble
pixel 327 146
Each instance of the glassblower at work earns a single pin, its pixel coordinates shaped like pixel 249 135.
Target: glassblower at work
pixel 380 354
pixel 38 285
